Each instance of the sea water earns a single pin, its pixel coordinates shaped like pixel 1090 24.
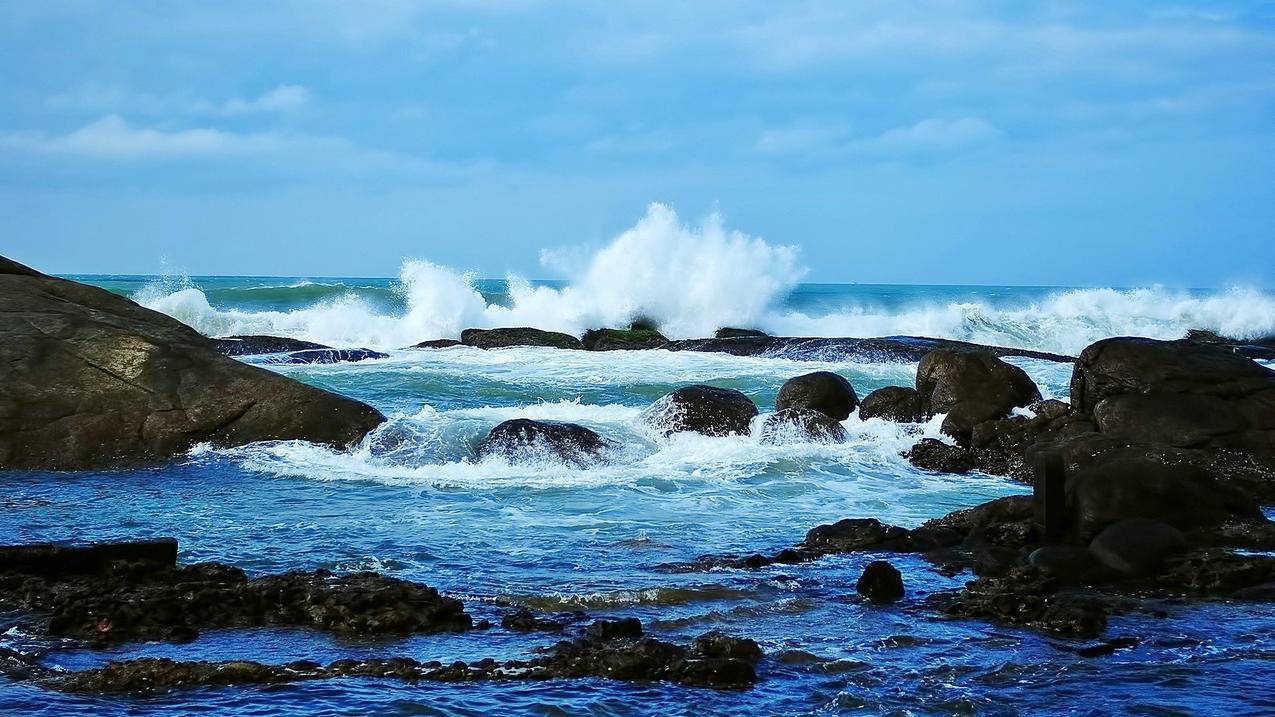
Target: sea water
pixel 414 501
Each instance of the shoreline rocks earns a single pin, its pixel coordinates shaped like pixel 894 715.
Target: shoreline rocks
pixel 95 381
pixel 823 391
pixel 518 336
pixel 524 440
pixel 631 339
pixel 255 344
pixel 707 410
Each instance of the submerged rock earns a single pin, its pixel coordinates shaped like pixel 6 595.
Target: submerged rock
pixel 823 391
pixel 881 582
pixel 893 403
pixel 523 440
pixel 702 409
pixel 92 380
pixel 257 344
pixel 970 387
pixel 801 424
pixel 623 339
pixel 322 356
pixel 519 336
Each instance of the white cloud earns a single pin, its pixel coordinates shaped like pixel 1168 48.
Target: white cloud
pixel 94 97
pixel 804 136
pixel 932 134
pixel 112 137
pixel 284 98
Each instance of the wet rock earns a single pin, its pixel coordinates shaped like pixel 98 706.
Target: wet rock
pixel 437 344
pixel 1178 393
pixel 851 534
pixel 881 582
pixel 523 620
pixel 719 644
pixel 892 403
pixel 801 424
pixel 48 560
pixel 1262 349
pixel 623 339
pixel 1137 546
pixel 1004 523
pixel 1028 598
pixel 728 332
pixel 256 344
pixel 324 356
pixel 1215 572
pixel 92 380
pixel 931 454
pixel 822 391
pixel 908 349
pixel 971 387
pixel 1070 564
pixel 613 629
pixel 524 440
pixel 519 336
pixel 703 409
pixel 1106 647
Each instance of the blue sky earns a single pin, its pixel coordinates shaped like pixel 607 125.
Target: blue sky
pixel 951 142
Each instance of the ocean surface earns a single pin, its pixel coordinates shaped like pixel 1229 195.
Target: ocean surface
pixel 414 502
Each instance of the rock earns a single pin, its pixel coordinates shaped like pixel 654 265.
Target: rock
pixel 622 339
pixel 1101 649
pixel 1137 546
pixel 251 345
pixel 727 332
pixel 1262 348
pixel 823 391
pixel 1025 597
pixel 971 387
pixel 521 336
pixel 58 561
pixel 801 424
pixel 1137 482
pixel 932 454
pixel 851 534
pixel 719 644
pixel 523 620
pixel 888 348
pixel 92 380
pixel 613 629
pixel 524 440
pixel 881 582
pixel 437 344
pixel 703 409
pixel 892 403
pixel 1179 393
pixel 1070 564
pixel 321 356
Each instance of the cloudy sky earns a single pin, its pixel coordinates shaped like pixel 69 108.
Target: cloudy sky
pixel 949 142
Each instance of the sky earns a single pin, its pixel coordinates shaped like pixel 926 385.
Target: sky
pixel 1052 143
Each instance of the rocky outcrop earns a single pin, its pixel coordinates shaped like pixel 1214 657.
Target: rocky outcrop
pixel 519 336
pixel 623 339
pixel 323 356
pixel 524 440
pixel 970 387
pixel 437 344
pixel 880 582
pixel 887 348
pixel 702 409
pixel 801 424
pixel 893 403
pixel 92 380
pixel 823 391
pixel 1260 348
pixel 729 332
pixel 256 344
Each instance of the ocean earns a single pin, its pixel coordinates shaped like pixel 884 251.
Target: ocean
pixel 413 501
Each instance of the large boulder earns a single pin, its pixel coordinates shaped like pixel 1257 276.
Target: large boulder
pixel 1137 546
pixel 971 386
pixel 881 582
pixel 901 404
pixel 801 424
pixel 823 391
pixel 525 440
pixel 518 336
pixel 1181 393
pixel 623 339
pixel 92 380
pixel 702 409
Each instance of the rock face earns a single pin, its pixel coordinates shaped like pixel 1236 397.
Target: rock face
pixel 823 391
pixel 801 424
pixel 881 582
pixel 255 344
pixel 521 336
pixel 623 339
pixel 92 380
pixel 703 409
pixel 971 387
pixel 1179 393
pixel 525 440
pixel 1261 348
pixel 900 404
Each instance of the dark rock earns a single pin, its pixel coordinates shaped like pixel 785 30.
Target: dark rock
pixel 971 387
pixel 92 380
pixel 1004 522
pixel 623 340
pixel 1028 598
pixel 1262 348
pixel 1137 546
pixel 57 561
pixel 520 336
pixel 322 356
pixel 613 629
pixel 1215 572
pixel 801 424
pixel 932 454
pixel 851 534
pixel 437 344
pixel 728 332
pixel 524 440
pixel 892 403
pixel 523 620
pixel 1106 647
pixel 719 644
pixel 823 391
pixel 703 409
pixel 881 582
pixel 907 349
pixel 1070 564
pixel 252 345
pixel 1179 393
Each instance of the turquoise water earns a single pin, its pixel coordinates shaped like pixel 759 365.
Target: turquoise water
pixel 414 502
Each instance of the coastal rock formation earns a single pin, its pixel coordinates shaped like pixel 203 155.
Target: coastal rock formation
pixel 93 380
pixel 703 409
pixel 881 582
pixel 322 356
pixel 523 440
pixel 802 424
pixel 437 344
pixel 970 387
pixel 1259 348
pixel 900 404
pixel 728 332
pixel 633 339
pixel 885 348
pixel 256 344
pixel 823 391
pixel 519 336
